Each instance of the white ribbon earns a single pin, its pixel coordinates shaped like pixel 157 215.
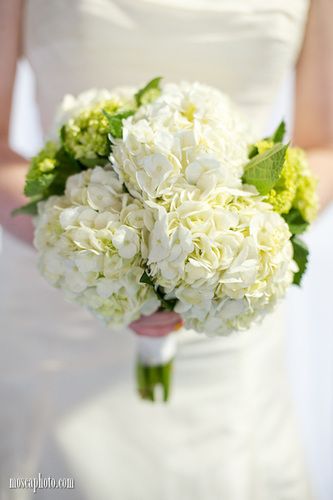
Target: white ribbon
pixel 154 351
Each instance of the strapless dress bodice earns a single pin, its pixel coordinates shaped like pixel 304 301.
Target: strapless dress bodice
pixel 243 47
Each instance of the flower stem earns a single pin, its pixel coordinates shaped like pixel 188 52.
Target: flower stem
pixel 149 377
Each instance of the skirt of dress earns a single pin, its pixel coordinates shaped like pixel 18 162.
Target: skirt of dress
pixel 69 406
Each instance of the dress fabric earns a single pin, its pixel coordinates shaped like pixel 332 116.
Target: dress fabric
pixel 228 432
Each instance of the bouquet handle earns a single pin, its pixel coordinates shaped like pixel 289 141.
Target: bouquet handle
pixel 154 365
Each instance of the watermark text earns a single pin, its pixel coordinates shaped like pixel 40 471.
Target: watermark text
pixel 41 482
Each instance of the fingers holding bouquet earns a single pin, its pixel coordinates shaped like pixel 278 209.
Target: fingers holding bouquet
pixel 158 324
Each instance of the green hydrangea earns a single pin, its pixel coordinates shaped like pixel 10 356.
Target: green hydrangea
pixel 86 135
pixel 41 171
pixel 306 199
pixel 45 160
pixel 296 187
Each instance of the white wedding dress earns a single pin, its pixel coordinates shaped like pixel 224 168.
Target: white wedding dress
pixel 228 432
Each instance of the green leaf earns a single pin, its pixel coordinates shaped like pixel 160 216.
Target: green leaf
pixel 148 93
pixel 66 166
pixel 65 161
pixel 297 224
pixel 264 170
pixel 116 122
pixel 28 209
pixel 94 162
pixel 37 182
pixel 44 184
pixel 145 278
pixel 166 304
pixel 63 133
pixel 252 151
pixel 301 254
pixel 279 133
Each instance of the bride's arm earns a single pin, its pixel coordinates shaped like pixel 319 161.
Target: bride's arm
pixel 12 166
pixel 313 128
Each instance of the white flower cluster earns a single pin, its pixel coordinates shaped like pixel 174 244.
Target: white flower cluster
pixel 89 244
pixel 215 246
pixel 190 136
pixel 226 257
pixel 184 218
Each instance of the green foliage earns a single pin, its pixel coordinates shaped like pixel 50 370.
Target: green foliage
pixel 62 134
pixel 166 304
pixel 94 162
pixel 279 133
pixel 149 92
pixel 28 209
pixel 116 122
pixel 41 182
pixel 264 170
pixel 282 195
pixel 66 166
pixel 297 224
pixel 252 151
pixel 277 138
pixel 37 182
pixel 145 278
pixel 301 254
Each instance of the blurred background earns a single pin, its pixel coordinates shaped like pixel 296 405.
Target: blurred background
pixel 310 333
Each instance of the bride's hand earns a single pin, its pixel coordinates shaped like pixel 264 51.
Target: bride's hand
pixel 13 169
pixel 157 324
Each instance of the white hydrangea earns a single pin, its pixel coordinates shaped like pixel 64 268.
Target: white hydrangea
pixel 89 244
pixel 226 257
pixel 191 135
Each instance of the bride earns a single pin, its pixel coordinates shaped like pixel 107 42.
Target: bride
pixel 70 409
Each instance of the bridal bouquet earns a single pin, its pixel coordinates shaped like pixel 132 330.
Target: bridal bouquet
pixel 162 199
